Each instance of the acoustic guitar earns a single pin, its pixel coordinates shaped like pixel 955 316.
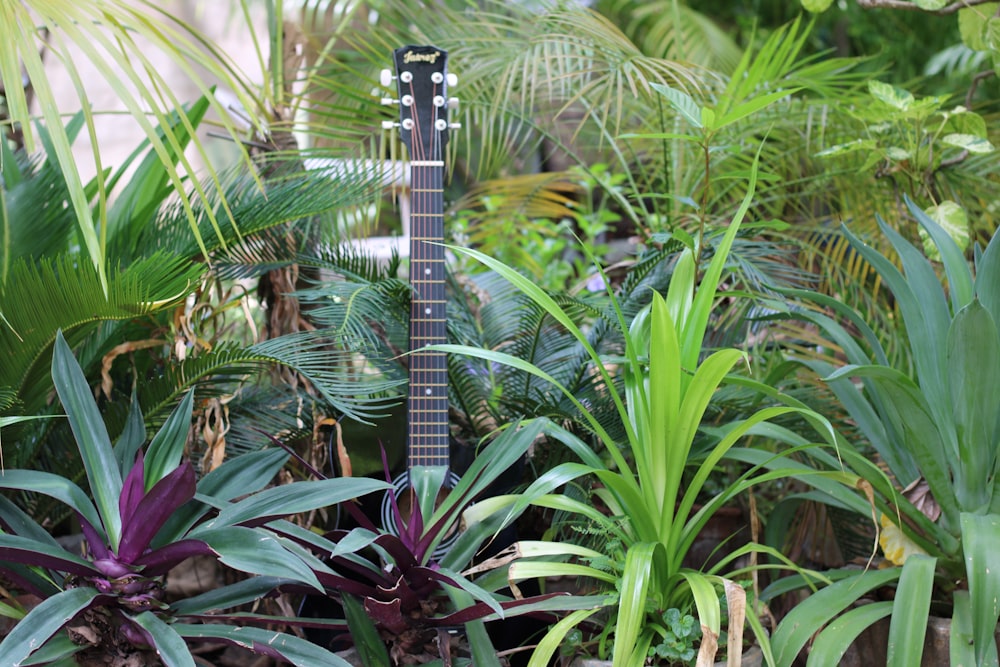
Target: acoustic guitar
pixel 422 78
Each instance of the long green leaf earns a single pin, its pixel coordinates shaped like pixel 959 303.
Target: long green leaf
pixel 293 498
pixel 811 615
pixel 91 437
pixel 553 639
pixel 299 652
pixel 961 642
pixel 170 646
pixel 644 567
pixel 832 643
pixel 42 623
pixel 257 552
pixel 131 439
pixel 480 643
pixel 238 476
pixel 364 635
pixel 960 281
pixel 910 610
pixel 231 595
pixel 981 543
pixel 167 447
pixel 53 486
pixel 974 377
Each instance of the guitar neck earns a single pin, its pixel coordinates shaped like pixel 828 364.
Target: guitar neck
pixel 427 442
pixel 423 80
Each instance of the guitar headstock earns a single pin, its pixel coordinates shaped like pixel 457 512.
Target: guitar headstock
pixel 422 83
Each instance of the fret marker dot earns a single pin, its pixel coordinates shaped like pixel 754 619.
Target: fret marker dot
pixel 427 311
pixel 428 391
pixel 427 272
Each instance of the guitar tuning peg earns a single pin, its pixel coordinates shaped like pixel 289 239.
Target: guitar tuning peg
pixel 385 78
pixel 454 126
pixel 452 79
pixel 388 101
pixel 388 124
pixel 453 103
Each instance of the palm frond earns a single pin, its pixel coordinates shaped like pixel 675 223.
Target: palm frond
pixel 110 35
pixel 288 198
pixel 674 30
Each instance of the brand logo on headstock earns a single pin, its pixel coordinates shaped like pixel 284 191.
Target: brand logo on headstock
pixel 413 57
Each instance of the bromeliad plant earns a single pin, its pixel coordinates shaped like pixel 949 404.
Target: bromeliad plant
pixel 668 387
pixel 936 427
pixel 145 515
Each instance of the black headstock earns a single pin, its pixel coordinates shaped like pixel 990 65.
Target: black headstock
pixel 422 80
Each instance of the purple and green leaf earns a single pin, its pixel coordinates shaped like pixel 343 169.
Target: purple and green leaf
pixel 148 515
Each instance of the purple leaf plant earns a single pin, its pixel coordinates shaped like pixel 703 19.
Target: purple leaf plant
pixel 146 513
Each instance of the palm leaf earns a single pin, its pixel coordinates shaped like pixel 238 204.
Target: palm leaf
pixel 106 34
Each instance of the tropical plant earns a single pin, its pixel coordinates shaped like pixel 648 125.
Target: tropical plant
pixel 178 316
pixel 915 145
pixel 933 425
pixel 120 40
pixel 145 515
pixel 667 388
pixel 402 585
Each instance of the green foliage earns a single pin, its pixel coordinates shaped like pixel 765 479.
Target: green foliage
pixel 142 519
pixel 678 635
pixel 668 385
pixel 909 140
pixel 930 425
pixel 161 308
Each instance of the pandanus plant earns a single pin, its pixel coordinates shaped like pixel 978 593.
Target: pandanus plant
pixel 146 514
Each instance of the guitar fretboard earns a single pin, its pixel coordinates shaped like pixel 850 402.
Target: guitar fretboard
pixel 428 396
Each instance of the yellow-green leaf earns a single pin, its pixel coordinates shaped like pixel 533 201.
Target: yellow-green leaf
pixel 816 6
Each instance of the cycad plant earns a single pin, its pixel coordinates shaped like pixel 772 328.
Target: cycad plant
pixel 167 319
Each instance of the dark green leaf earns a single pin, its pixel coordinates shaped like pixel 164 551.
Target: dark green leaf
pixel 167 447
pixel 42 622
pixel 91 437
pixel 170 646
pixel 299 652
